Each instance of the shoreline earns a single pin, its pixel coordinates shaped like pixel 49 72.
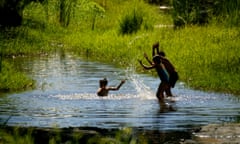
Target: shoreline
pixel 211 133
pixel 95 135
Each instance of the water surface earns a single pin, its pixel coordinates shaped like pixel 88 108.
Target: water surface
pixel 66 97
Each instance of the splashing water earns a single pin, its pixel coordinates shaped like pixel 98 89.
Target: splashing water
pixel 66 97
pixel 143 90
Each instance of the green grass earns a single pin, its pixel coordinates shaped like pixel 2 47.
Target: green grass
pixel 12 80
pixel 31 135
pixel 206 57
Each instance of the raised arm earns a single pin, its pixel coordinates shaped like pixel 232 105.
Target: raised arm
pixel 155 46
pixel 149 61
pixel 146 67
pixel 118 87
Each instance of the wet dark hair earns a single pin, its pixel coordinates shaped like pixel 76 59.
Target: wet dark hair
pixel 161 53
pixel 157 59
pixel 103 82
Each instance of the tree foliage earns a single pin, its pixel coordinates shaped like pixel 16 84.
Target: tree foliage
pixel 11 11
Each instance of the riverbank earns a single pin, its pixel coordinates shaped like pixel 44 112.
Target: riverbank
pixel 89 135
pixel 212 133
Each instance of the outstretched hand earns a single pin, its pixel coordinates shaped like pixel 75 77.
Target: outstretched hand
pixel 123 81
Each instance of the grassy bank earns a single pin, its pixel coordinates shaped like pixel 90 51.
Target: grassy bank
pixel 89 135
pixel 206 57
pixel 13 80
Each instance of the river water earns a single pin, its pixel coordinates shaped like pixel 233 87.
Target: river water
pixel 66 97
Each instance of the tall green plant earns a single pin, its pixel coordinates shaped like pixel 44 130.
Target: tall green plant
pixel 66 10
pixel 95 10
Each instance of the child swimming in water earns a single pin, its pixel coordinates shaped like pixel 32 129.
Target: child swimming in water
pixel 103 89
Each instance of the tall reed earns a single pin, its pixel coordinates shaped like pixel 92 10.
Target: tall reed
pixel 66 11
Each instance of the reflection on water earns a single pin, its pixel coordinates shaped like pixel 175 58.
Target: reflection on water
pixel 66 97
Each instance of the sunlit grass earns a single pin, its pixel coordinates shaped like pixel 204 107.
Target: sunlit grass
pixel 12 80
pixel 206 57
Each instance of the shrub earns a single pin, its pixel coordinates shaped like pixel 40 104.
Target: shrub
pixel 131 22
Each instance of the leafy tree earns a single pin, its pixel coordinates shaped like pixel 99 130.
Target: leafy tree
pixel 11 11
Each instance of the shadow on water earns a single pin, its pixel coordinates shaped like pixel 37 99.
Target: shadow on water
pixel 66 97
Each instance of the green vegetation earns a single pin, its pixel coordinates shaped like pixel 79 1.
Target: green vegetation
pixel 187 12
pixel 206 56
pixel 15 137
pixel 30 135
pixel 12 80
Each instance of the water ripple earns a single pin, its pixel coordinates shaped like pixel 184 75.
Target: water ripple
pixel 66 97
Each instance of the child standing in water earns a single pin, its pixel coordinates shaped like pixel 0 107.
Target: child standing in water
pixel 103 89
pixel 173 75
pixel 162 73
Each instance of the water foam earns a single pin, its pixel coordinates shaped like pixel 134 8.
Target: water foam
pixel 93 96
pixel 143 91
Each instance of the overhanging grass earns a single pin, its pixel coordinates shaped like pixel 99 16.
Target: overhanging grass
pixel 12 80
